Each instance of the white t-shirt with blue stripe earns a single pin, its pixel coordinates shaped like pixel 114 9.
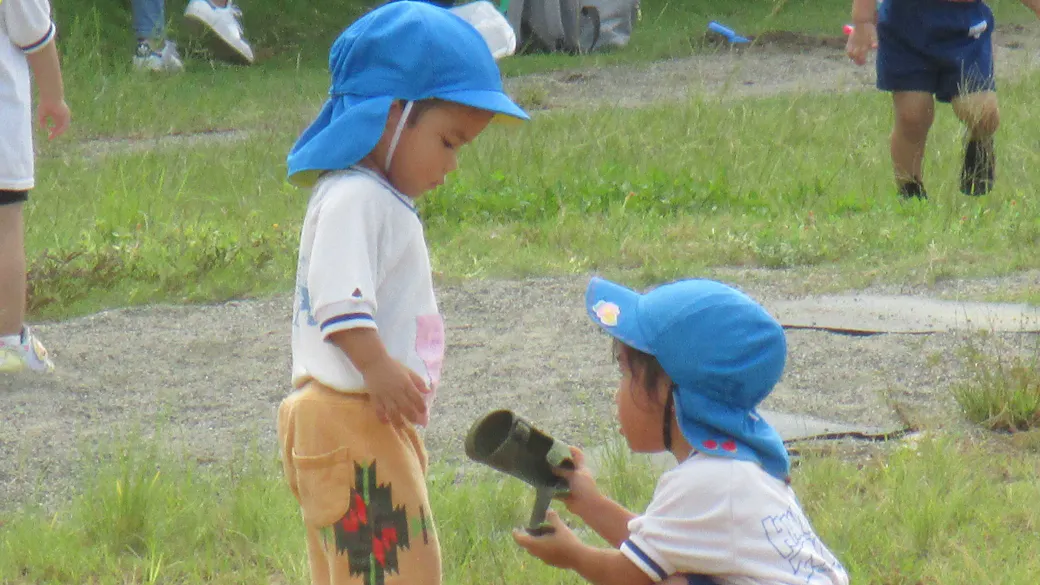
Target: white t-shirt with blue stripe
pixel 25 27
pixel 733 522
pixel 363 263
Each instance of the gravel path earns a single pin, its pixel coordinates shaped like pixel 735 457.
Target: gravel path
pixel 211 377
pixel 778 62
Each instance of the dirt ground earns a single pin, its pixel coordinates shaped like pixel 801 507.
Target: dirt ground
pixel 211 377
pixel 776 62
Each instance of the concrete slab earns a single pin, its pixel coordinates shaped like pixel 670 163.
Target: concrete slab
pixel 793 428
pixel 798 427
pixel 868 315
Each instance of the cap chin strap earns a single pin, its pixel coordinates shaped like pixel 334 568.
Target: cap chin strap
pixel 397 135
pixel 669 415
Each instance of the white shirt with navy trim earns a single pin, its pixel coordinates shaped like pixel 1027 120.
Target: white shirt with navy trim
pixel 363 263
pixel 25 27
pixel 732 521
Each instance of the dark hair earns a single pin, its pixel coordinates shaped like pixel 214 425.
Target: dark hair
pixel 643 366
pixel 648 371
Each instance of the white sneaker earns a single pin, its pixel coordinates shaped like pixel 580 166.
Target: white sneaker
pixel 166 60
pixel 225 26
pixel 27 354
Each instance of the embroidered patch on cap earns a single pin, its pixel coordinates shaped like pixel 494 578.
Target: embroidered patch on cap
pixel 607 313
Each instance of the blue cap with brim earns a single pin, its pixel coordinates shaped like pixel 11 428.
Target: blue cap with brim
pixel 721 349
pixel 400 51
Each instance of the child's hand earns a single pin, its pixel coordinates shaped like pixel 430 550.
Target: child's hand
pixel 557 548
pixel 397 392
pixel 862 40
pixel 582 485
pixel 54 116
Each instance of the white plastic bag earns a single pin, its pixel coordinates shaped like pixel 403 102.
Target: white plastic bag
pixel 493 26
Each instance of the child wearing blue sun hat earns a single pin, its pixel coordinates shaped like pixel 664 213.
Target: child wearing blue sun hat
pixel 696 358
pixel 412 84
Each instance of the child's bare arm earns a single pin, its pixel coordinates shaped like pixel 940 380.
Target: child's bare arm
pixel 564 550
pixel 608 518
pixel 864 31
pixel 396 391
pixel 864 12
pixel 609 567
pixel 51 111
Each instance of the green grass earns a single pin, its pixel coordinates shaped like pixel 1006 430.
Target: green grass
pixel 790 182
pixel 1003 390
pixel 787 182
pixel 194 224
pixel 943 511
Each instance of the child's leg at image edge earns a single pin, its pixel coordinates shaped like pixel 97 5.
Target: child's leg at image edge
pixel 362 488
pixel 970 87
pixel 914 113
pixel 149 18
pixel 980 114
pixel 12 268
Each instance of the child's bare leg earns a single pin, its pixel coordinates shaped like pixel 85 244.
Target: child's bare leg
pixel 981 117
pixel 12 269
pixel 914 113
pixel 979 112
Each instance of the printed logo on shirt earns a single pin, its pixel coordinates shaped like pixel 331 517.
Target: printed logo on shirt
pixel 302 303
pixel 794 540
pixel 303 307
pixel 977 30
pixel 429 346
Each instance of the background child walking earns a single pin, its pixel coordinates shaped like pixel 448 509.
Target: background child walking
pixel 26 43
pixel 411 85
pixel 933 50
pixel 696 358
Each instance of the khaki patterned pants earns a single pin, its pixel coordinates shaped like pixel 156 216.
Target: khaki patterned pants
pixel 361 485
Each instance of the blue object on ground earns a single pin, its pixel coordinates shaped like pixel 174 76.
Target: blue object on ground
pixel 726 32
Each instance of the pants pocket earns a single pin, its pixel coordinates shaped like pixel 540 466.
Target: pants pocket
pixel 323 484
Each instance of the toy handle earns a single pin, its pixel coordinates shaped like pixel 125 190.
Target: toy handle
pixel 540 530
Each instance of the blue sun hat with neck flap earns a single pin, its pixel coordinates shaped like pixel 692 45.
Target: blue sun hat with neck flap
pixel 723 352
pixel 407 51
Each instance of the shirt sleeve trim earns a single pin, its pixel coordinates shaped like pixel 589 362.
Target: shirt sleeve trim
pixel 345 318
pixel 34 47
pixel 643 561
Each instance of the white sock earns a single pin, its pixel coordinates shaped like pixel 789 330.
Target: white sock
pixel 15 339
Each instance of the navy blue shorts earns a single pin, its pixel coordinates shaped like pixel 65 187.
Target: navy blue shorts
pixel 942 47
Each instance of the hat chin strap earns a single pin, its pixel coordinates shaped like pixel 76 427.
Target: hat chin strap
pixel 669 416
pixel 397 135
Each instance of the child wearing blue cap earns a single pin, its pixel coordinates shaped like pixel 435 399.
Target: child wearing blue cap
pixel 933 50
pixel 696 358
pixel 412 83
